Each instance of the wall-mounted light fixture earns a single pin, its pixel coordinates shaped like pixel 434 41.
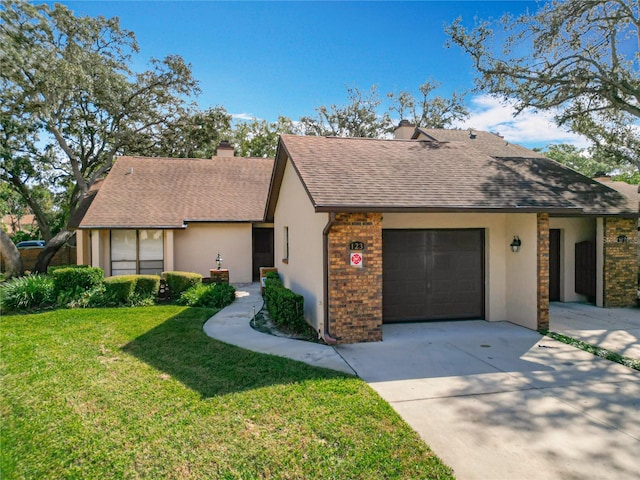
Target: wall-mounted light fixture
pixel 515 244
pixel 219 261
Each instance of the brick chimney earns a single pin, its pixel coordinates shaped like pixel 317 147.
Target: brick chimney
pixel 225 149
pixel 404 130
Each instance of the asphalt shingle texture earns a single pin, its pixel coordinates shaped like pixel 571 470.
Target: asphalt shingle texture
pixel 147 192
pixel 343 173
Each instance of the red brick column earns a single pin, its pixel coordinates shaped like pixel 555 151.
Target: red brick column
pixel 620 261
pixel 355 293
pixel 219 276
pixel 543 272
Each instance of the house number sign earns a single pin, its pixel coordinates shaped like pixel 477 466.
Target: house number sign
pixel 355 254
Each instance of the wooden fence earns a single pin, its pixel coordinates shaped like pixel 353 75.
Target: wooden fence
pixel 65 256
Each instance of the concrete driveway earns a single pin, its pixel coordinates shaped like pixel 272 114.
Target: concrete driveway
pixel 616 329
pixel 498 401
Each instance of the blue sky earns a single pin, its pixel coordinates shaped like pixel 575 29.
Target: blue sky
pixel 264 59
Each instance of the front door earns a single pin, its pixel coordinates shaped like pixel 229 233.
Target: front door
pixel 554 265
pixel 262 250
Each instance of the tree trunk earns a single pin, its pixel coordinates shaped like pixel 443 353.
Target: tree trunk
pixel 11 256
pixel 51 248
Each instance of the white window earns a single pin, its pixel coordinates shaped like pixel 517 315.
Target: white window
pixel 286 245
pixel 123 252
pixel 151 251
pixel 137 251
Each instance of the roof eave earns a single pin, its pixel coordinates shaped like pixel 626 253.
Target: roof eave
pixel 275 183
pixel 169 227
pixel 446 209
pixel 132 227
pixel 230 220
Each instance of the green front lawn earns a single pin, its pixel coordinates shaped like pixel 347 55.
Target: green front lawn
pixel 144 393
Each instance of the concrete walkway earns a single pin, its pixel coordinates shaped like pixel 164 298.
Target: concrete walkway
pixel 616 329
pixel 231 325
pixel 493 400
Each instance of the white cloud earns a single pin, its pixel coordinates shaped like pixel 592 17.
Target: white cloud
pixel 529 128
pixel 244 116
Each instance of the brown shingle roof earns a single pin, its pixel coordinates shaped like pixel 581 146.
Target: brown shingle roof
pixel 485 142
pixel 410 175
pixel 632 192
pixel 148 192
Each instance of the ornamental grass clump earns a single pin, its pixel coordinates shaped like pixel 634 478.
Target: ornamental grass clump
pixel 27 293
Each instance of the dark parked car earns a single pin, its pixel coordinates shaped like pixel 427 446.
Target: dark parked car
pixel 31 244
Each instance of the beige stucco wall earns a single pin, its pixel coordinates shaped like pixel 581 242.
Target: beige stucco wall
pixel 100 250
pixel 304 271
pixel 196 248
pixel 572 231
pixel 510 278
pixel 522 271
pixel 169 259
pixel 83 247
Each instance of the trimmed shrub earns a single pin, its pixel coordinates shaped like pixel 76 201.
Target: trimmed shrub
pixel 119 289
pixel 147 286
pixel 285 307
pixel 72 283
pixel 26 293
pixel 53 268
pixel 273 275
pixel 217 295
pixel 179 282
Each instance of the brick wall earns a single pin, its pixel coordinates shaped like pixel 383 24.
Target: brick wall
pixel 620 262
pixel 219 276
pixel 355 294
pixel 65 256
pixel 543 271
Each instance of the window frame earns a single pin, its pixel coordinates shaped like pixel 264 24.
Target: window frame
pixel 137 259
pixel 286 245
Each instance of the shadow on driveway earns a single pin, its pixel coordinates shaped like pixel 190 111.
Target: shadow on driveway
pixel 616 329
pixel 495 400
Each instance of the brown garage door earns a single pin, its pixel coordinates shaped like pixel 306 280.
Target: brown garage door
pixel 432 274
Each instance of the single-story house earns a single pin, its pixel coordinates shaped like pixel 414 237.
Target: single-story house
pixel 433 225
pixel 158 214
pixel 441 225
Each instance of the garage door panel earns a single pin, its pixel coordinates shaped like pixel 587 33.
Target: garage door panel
pixel 433 274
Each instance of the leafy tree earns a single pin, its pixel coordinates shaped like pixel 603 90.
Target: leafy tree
pixel 259 138
pixel 591 162
pixel 359 118
pixel 69 102
pixel 630 177
pixel 424 111
pixel 11 256
pixel 194 134
pixel 12 206
pixel 578 159
pixel 578 59
pixel 364 115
